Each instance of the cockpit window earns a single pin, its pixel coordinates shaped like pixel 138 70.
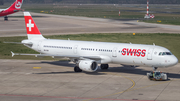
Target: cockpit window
pixel 165 53
pixel 168 53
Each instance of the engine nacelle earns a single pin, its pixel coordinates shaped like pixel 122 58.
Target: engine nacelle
pixel 88 65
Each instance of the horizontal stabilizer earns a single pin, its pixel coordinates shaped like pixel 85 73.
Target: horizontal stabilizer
pixel 19 43
pixel 14 42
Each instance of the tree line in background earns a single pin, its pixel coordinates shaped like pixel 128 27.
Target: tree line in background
pixel 97 1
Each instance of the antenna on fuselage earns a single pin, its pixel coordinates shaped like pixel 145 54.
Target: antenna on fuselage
pixel 154 44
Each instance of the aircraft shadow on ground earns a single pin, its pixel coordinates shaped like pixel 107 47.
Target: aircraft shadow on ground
pixel 120 69
pixel 13 18
pixel 35 16
pixel 9 20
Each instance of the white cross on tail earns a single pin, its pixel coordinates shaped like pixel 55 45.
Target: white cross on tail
pixel 30 25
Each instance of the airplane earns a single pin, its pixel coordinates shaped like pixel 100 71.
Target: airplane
pixel 88 54
pixel 15 7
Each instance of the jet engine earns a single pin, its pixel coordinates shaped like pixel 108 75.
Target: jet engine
pixel 88 65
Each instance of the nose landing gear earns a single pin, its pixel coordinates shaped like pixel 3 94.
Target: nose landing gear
pixel 155 68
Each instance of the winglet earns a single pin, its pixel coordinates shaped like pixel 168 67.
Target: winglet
pixel 12 54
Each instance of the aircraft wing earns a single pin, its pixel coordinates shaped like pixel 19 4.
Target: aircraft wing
pixel 60 56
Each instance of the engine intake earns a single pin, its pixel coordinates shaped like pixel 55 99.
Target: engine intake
pixel 88 65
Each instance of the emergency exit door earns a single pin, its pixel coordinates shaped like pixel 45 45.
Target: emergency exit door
pixel 75 49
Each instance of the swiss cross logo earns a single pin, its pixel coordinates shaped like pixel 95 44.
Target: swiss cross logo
pixel 30 25
pixel 18 5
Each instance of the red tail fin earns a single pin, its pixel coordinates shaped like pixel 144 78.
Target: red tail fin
pixel 30 24
pixel 16 5
pixel 31 28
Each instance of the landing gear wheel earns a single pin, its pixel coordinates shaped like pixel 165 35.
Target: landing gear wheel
pixel 5 18
pixel 77 69
pixel 104 66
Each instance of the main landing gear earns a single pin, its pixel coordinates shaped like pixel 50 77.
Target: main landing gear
pixel 104 66
pixel 6 18
pixel 77 69
pixel 157 75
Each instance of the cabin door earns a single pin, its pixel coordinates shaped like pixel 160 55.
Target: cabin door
pixel 114 52
pixel 39 46
pixel 149 54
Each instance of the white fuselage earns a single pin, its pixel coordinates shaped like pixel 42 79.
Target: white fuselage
pixel 119 53
pixel 87 55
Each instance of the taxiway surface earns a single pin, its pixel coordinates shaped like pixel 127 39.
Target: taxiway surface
pixel 60 24
pixel 34 80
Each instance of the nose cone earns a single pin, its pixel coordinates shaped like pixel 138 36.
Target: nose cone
pixel 174 61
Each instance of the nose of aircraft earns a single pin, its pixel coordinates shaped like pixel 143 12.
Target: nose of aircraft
pixel 174 61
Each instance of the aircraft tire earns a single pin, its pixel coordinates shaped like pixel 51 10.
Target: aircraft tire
pixel 104 66
pixel 77 69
